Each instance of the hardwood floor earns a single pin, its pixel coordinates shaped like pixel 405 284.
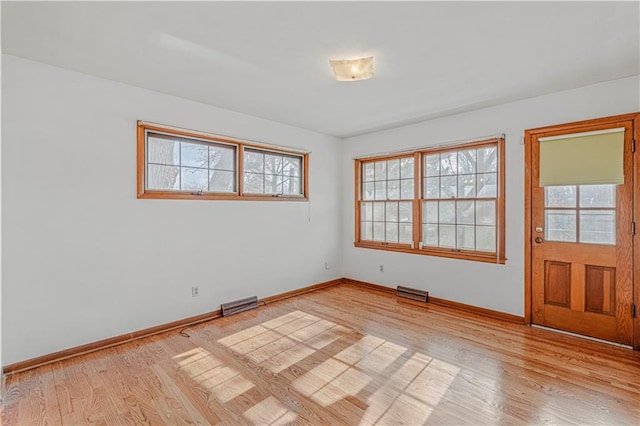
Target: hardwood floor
pixel 342 355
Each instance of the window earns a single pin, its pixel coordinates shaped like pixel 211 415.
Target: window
pixel 184 165
pixel 444 202
pixel 580 213
pixel 387 207
pixel 272 173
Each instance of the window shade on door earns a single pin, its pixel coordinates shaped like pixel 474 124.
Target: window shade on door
pixel 589 158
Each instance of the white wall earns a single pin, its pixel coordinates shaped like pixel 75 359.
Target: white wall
pixel 497 287
pixel 85 260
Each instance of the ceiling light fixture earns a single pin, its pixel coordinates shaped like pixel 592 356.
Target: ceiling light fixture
pixel 352 69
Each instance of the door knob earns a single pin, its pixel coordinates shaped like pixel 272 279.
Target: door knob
pixel 538 240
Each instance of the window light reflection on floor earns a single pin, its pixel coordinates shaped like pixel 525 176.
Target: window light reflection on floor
pixel 224 382
pixel 269 412
pixel 412 385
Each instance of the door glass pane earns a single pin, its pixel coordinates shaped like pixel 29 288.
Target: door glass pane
pixel 560 225
pixel 598 226
pixel 560 196
pixel 597 195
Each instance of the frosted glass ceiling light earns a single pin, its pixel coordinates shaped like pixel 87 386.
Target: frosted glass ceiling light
pixel 352 69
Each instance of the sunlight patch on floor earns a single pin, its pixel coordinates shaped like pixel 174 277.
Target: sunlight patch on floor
pixel 407 395
pixel 269 412
pixel 411 393
pixel 381 357
pixel 281 342
pixel 243 335
pixel 316 378
pixel 288 358
pixel 212 374
pixel 360 349
pixel 283 319
pixel 349 383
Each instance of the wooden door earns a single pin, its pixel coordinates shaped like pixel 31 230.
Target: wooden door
pixel 581 247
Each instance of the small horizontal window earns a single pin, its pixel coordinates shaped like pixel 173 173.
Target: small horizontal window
pixel 178 164
pixel 272 173
pixel 183 165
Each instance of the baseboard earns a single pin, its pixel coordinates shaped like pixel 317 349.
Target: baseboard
pixel 442 302
pixel 300 291
pixel 125 338
pixel 186 322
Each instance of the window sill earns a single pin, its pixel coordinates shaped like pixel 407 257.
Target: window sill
pixel 167 195
pixel 403 248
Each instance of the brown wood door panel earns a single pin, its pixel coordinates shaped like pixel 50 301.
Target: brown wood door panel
pixel 587 323
pixel 584 288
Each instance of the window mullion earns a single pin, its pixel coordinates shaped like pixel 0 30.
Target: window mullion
pixel 416 203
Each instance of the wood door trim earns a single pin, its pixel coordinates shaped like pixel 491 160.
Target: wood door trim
pixel 636 238
pixel 577 126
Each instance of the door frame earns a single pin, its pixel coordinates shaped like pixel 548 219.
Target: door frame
pixel 576 127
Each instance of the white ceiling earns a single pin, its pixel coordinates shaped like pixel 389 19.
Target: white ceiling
pixel 271 60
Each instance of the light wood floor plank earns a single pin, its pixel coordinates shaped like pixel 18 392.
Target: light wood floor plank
pixel 342 355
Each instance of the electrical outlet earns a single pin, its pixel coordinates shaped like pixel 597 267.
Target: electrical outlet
pixel 381 268
pixel 195 291
pixel 326 265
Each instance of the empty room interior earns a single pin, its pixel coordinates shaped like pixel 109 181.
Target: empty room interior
pixel 344 213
